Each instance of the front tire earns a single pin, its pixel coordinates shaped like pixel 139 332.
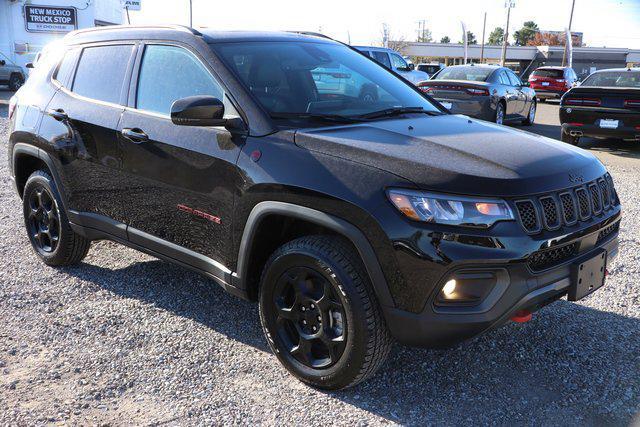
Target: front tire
pixel 531 116
pixel 320 314
pixel 50 234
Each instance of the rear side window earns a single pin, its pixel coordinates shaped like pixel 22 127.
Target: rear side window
pixel 168 73
pixel 64 73
pixel 101 72
pixel 503 79
pixel 382 58
pixel 553 73
pixel 515 81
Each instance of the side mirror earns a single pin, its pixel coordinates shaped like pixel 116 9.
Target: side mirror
pixel 2 62
pixel 200 110
pixel 29 65
pixel 526 84
pixel 411 67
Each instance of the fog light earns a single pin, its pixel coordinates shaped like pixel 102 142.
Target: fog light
pixel 449 288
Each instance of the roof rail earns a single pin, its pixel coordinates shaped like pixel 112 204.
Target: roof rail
pixel 311 33
pixel 128 27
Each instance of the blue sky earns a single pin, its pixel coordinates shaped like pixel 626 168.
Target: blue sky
pixel 611 23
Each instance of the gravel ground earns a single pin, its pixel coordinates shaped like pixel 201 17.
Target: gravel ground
pixel 124 338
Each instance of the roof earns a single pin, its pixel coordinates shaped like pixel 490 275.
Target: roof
pixel 121 32
pixel 386 49
pixel 551 67
pixel 619 70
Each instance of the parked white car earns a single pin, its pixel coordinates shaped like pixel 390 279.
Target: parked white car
pixel 394 61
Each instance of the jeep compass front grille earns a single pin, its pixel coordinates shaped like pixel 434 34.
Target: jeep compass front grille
pixel 553 210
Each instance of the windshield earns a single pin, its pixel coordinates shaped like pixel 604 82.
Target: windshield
pixel 476 74
pixel 613 79
pixel 549 72
pixel 312 79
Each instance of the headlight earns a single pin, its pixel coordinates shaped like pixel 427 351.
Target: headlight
pixel 449 209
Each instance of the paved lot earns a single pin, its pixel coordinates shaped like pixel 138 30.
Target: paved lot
pixel 124 338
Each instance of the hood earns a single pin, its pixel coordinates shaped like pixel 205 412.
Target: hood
pixel 455 154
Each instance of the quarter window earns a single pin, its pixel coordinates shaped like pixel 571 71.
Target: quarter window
pixel 101 72
pixel 64 72
pixel 169 73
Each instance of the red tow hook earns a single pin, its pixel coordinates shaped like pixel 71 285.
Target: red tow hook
pixel 521 316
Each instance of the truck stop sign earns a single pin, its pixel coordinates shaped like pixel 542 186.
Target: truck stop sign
pixel 50 19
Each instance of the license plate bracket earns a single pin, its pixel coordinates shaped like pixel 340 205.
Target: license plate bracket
pixel 609 123
pixel 587 276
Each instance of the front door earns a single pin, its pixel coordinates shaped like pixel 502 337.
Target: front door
pixel 182 178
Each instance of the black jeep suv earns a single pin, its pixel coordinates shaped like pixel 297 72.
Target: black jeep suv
pixel 295 171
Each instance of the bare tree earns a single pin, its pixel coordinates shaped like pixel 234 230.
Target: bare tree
pixel 390 41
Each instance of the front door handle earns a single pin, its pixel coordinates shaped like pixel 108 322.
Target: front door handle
pixel 58 114
pixel 135 135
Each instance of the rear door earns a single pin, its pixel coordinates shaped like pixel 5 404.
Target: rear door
pixel 182 178
pixel 510 93
pixel 520 103
pixel 82 126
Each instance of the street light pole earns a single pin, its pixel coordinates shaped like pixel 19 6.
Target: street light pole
pixel 484 26
pixel 190 13
pixel 564 54
pixel 508 4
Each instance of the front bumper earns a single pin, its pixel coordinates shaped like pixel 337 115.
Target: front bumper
pixel 520 287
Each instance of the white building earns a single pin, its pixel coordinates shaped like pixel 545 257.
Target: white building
pixel 27 25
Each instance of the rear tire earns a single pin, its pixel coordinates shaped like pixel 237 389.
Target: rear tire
pixel 565 137
pixel 499 114
pixel 50 234
pixel 320 314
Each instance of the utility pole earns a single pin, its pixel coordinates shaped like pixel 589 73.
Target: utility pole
pixel 508 4
pixel 484 26
pixel 190 13
pixel 422 29
pixel 564 54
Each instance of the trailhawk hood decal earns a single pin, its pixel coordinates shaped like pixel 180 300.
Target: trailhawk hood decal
pixel 458 155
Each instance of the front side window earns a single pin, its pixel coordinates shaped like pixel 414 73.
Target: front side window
pixel 169 73
pixel 101 72
pixel 316 78
pixel 382 58
pixel 613 79
pixel 398 62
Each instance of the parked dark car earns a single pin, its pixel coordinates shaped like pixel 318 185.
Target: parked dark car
pixel 486 92
pixel 430 69
pixel 605 105
pixel 11 75
pixel 350 220
pixel 552 82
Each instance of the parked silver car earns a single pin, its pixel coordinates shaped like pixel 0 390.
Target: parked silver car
pixel 394 61
pixel 486 92
pixel 11 75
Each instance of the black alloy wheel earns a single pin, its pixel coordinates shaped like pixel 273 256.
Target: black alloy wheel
pixel 42 220
pixel 309 318
pixel 320 314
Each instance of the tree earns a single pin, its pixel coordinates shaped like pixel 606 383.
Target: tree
pixel 471 38
pixel 525 34
pixel 425 36
pixel 546 39
pixel 496 37
pixel 445 39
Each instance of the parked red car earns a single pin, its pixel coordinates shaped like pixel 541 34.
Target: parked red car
pixel 552 82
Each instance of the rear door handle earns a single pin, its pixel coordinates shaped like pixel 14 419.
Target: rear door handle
pixel 135 135
pixel 58 114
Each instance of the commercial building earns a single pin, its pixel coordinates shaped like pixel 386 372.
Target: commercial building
pixel 26 26
pixel 524 59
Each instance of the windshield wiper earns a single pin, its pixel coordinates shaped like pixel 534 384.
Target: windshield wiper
pixel 331 118
pixel 397 111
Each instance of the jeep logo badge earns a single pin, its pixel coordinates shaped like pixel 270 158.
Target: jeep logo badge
pixel 576 178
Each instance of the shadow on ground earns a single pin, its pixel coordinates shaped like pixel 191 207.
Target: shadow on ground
pixel 555 369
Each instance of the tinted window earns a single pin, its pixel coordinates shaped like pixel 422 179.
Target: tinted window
pixel 478 74
pixel 169 73
pixel 64 73
pixel 549 72
pixel 318 78
pixel 101 71
pixel 382 58
pixel 397 61
pixel 613 79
